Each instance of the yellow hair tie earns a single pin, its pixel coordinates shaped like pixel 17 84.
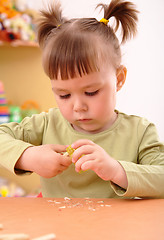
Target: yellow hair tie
pixel 105 21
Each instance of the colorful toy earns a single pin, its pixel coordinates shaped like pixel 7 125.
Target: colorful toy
pixel 15 23
pixel 4 192
pixel 10 189
pixel 29 108
pixel 15 113
pixel 4 110
pixel 6 9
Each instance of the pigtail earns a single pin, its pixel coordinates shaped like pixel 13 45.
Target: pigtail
pixel 50 19
pixel 125 15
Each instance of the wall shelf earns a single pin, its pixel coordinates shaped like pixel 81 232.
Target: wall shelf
pixel 19 43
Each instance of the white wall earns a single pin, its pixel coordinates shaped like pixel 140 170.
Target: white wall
pixel 142 93
pixel 144 57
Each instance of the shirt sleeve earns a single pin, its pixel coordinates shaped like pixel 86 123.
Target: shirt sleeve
pixel 15 138
pixel 146 178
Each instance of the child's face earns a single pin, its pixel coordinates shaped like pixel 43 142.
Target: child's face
pixel 88 102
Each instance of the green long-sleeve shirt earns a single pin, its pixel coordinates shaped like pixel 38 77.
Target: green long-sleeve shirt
pixel 131 140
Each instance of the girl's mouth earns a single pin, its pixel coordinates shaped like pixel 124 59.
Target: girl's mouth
pixel 84 120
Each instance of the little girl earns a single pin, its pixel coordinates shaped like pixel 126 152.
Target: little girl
pixel 119 155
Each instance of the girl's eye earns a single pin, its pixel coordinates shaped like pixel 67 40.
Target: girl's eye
pixel 91 93
pixel 65 96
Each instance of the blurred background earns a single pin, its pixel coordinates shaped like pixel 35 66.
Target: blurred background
pixel 26 89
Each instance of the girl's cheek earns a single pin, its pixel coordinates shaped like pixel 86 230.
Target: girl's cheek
pixel 65 112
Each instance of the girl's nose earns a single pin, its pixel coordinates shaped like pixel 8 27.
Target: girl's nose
pixel 79 105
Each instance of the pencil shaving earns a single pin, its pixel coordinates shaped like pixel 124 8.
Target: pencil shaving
pixel 51 236
pixel 18 236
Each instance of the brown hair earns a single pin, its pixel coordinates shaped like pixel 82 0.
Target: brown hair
pixel 78 46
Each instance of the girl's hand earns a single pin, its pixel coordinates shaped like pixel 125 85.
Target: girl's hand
pixel 89 155
pixel 45 160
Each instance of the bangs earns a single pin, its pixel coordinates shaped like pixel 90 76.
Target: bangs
pixel 72 55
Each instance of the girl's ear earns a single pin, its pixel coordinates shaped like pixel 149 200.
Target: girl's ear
pixel 121 77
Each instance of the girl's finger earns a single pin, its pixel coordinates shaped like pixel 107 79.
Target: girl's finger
pixel 81 142
pixel 62 167
pixel 58 148
pixel 65 161
pixel 79 152
pixel 88 165
pixel 81 161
